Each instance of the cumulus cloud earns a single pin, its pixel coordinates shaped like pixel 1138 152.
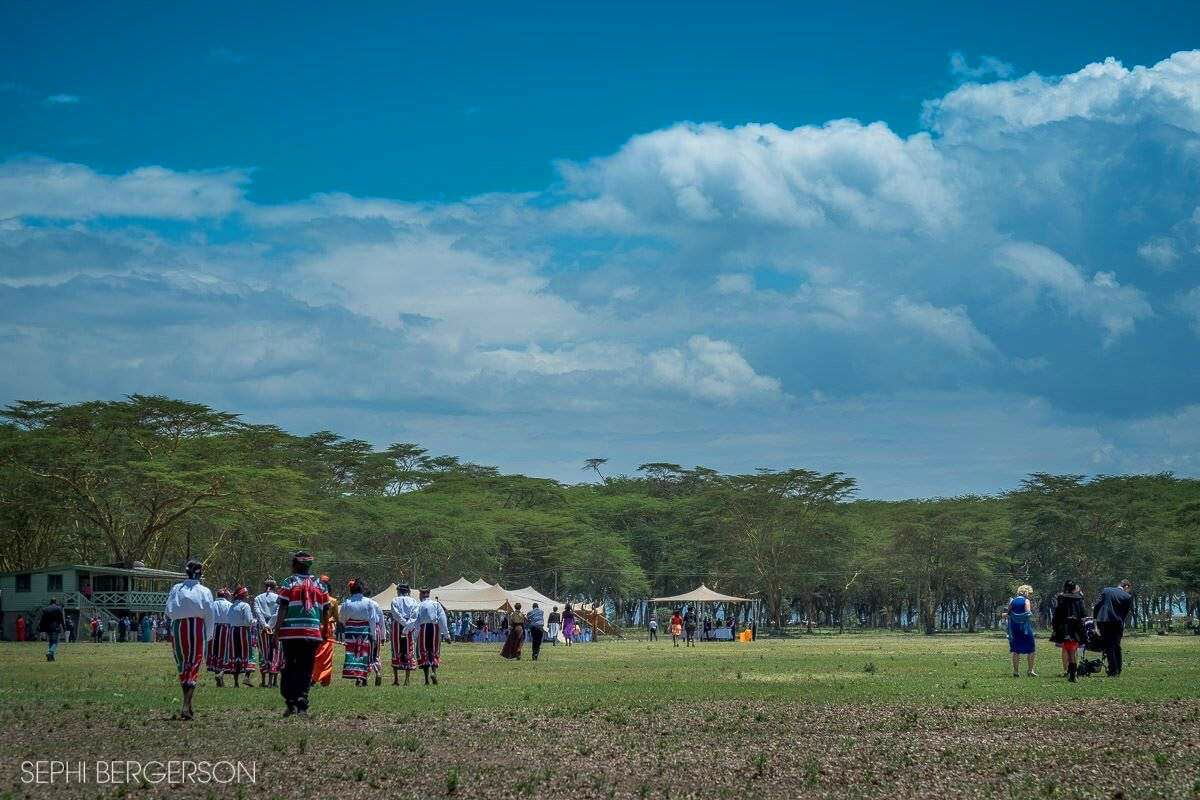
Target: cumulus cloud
pixel 843 172
pixel 1104 92
pixel 950 326
pixel 57 190
pixel 710 369
pixel 1100 298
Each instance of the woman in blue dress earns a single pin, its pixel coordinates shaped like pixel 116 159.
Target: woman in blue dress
pixel 1020 629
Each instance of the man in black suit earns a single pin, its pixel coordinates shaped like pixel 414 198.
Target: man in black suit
pixel 1111 610
pixel 52 624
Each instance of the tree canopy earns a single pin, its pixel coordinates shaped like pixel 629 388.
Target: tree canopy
pixel 152 479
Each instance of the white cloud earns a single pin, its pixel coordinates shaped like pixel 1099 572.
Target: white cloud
pixel 710 369
pixel 950 326
pixel 62 99
pixel 1105 91
pixel 1101 298
pixel 988 67
pixel 1160 252
pixel 843 172
pixel 467 293
pixel 57 190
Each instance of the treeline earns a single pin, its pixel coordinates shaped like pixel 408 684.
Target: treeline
pixel 150 479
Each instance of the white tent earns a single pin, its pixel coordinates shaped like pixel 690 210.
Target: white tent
pixel 479 595
pixel 702 594
pixel 386 597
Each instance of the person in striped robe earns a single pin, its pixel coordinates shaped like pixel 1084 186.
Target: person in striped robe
pixel 377 634
pixel 218 648
pixel 430 626
pixel 190 607
pixel 358 617
pixel 239 618
pixel 266 606
pixel 403 614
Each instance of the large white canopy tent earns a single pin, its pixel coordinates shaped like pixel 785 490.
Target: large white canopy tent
pixel 702 594
pixel 480 596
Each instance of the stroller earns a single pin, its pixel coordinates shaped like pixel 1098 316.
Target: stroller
pixel 1092 640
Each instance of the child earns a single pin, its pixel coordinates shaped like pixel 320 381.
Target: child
pixel 676 627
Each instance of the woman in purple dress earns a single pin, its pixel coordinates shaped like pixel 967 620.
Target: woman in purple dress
pixel 568 623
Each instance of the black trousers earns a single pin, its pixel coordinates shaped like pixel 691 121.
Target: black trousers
pixel 535 639
pixel 298 657
pixel 1112 633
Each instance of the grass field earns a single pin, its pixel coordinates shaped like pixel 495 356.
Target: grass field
pixel 885 715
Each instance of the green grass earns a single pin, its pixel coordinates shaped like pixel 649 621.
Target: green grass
pixel 815 716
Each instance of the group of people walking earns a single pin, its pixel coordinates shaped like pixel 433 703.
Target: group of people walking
pixel 1072 628
pixel 539 627
pixel 295 624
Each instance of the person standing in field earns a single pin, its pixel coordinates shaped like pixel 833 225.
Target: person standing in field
pixel 568 625
pixel 376 640
pixel 1020 630
pixel 689 628
pixel 1110 612
pixel 22 632
pixel 266 606
pixel 404 615
pixel 430 626
pixel 322 672
pixel 676 627
pixel 191 609
pixel 357 619
pixel 219 645
pixel 97 629
pixel 652 626
pixel 1068 626
pixel 302 598
pixel 553 625
pixel 516 635
pixel 537 630
pixel 51 624
pixel 240 617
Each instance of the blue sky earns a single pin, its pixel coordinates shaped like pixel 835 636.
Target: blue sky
pixel 935 249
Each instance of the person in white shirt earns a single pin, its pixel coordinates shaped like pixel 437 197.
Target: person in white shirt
pixel 358 617
pixel 430 626
pixel 270 659
pixel 218 646
pixel 190 609
pixel 403 613
pixel 376 640
pixel 240 617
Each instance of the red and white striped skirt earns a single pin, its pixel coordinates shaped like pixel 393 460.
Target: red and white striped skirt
pixel 237 650
pixel 270 654
pixel 187 640
pixel 429 645
pixel 218 648
pixel 402 648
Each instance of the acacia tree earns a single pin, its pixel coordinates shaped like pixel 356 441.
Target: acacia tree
pixel 131 470
pixel 773 521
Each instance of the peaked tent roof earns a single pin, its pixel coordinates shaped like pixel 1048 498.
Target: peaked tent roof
pixel 491 599
pixel 386 597
pixel 461 583
pixel 702 594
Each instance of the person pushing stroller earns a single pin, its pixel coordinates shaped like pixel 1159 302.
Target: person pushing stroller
pixel 1067 622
